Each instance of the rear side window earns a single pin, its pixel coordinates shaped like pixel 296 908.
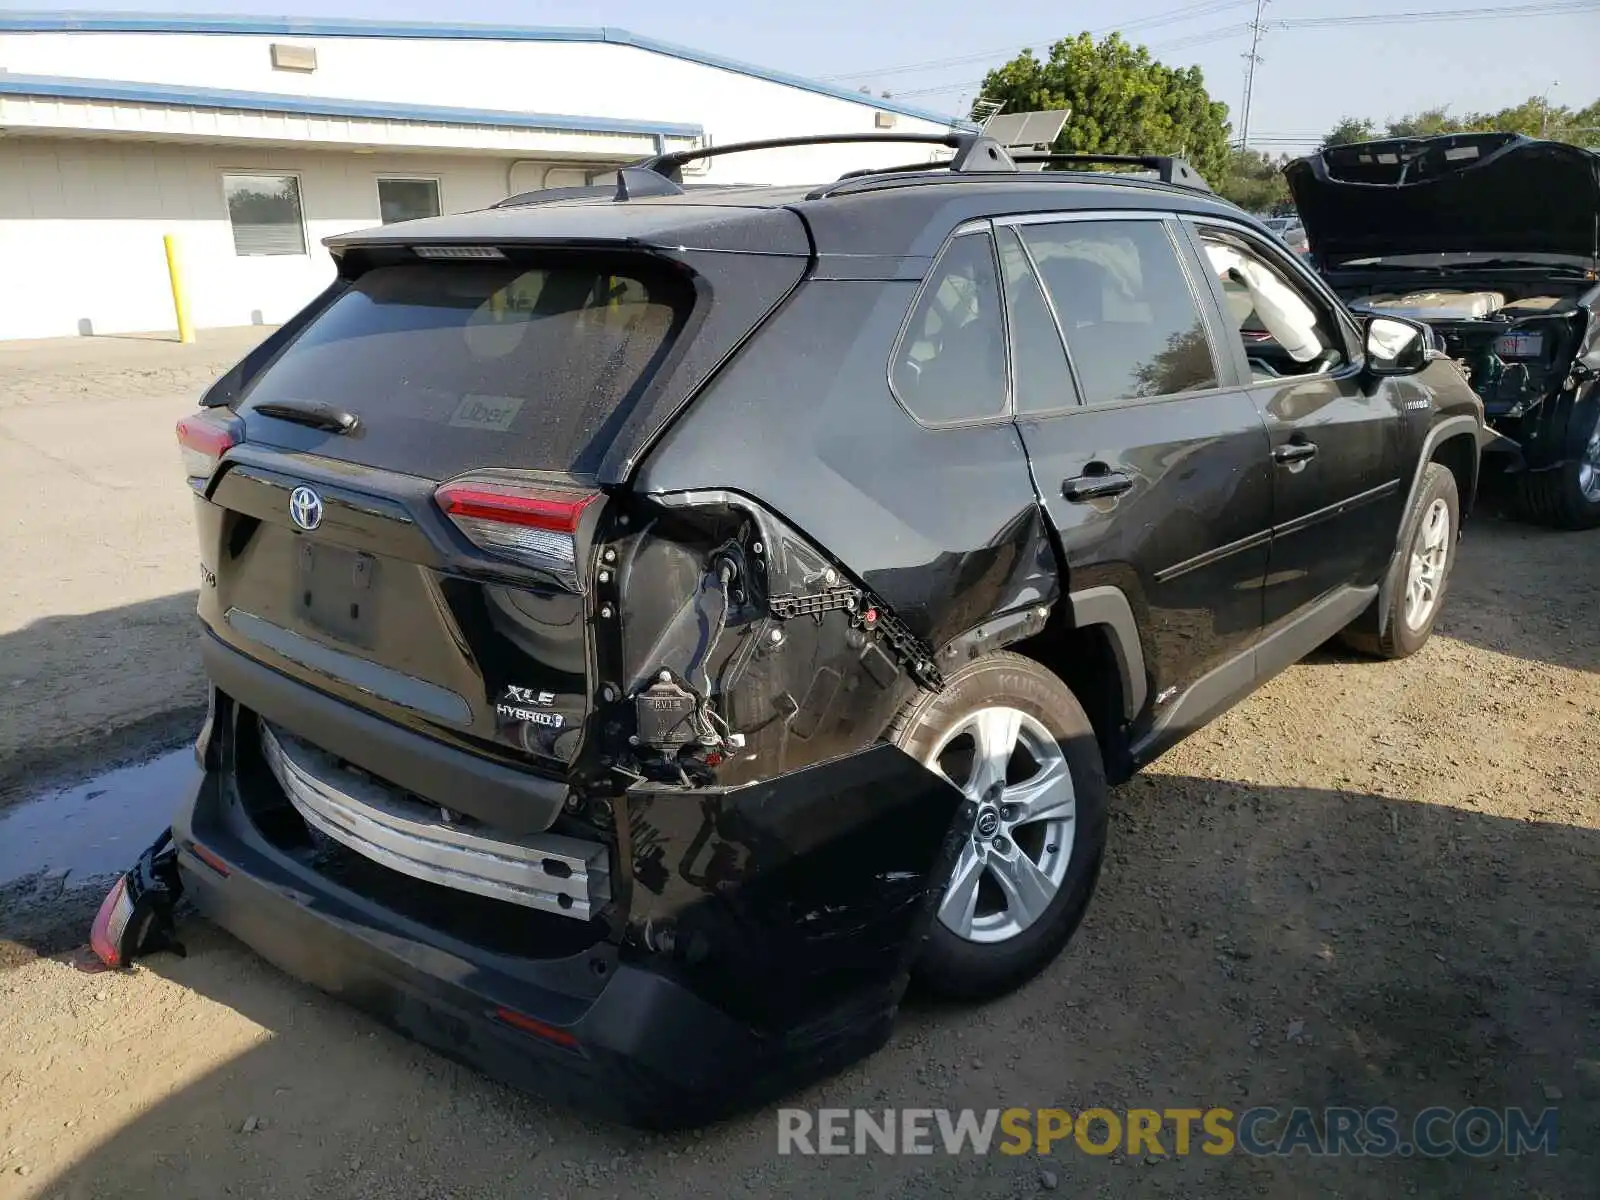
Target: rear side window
pixel 1041 380
pixel 1131 322
pixel 950 364
pixel 452 367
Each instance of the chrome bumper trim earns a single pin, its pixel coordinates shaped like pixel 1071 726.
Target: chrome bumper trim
pixel 545 871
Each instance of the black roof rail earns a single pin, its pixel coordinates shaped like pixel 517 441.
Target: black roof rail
pixel 1168 169
pixel 550 195
pixel 975 154
pixel 973 151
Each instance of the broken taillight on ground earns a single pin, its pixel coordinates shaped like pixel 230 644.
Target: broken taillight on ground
pixel 135 918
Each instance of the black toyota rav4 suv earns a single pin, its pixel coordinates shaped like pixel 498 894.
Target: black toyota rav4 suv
pixel 647 627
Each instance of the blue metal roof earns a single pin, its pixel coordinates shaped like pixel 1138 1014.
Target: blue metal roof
pixel 68 21
pixel 157 93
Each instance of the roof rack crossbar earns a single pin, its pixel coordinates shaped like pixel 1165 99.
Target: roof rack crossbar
pixel 1168 168
pixel 973 152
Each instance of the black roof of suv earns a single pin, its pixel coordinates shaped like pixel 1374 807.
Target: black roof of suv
pixel 645 627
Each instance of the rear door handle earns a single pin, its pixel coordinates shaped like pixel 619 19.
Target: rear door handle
pixel 1092 485
pixel 1293 452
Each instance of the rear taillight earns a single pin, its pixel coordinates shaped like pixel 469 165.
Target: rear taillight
pixel 110 923
pixel 204 439
pixel 534 526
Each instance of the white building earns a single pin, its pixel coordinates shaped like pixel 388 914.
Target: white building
pixel 252 139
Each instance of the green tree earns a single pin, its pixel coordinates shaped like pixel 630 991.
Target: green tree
pixel 1583 126
pixel 1255 181
pixel 1122 101
pixel 1350 129
pixel 1534 117
pixel 1424 124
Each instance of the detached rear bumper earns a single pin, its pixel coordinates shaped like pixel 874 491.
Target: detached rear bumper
pixel 629 1044
pixel 759 938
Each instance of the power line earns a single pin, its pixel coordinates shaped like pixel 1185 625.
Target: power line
pixel 1211 35
pixel 1557 8
pixel 1172 16
pixel 1443 14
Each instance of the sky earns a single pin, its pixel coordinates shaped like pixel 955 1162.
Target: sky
pixel 1307 80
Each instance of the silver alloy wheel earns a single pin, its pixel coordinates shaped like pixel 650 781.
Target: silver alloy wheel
pixel 1430 554
pixel 1011 867
pixel 1589 468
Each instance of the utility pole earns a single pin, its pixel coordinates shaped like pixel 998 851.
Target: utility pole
pixel 1544 106
pixel 1257 28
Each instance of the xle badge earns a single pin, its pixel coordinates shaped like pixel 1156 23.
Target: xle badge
pixel 519 705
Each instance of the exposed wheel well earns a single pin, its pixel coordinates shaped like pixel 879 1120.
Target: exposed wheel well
pixel 1460 455
pixel 1086 662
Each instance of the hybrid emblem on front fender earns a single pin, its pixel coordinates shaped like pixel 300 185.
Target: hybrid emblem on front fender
pixel 305 508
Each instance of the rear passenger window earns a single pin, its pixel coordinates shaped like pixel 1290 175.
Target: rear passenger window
pixel 951 361
pixel 1041 381
pixel 1130 319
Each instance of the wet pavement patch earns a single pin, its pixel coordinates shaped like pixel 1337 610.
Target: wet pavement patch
pixel 98 827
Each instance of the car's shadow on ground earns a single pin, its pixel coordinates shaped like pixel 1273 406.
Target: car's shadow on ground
pixel 86 689
pixel 1249 945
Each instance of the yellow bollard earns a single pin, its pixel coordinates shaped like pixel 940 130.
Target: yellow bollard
pixel 180 304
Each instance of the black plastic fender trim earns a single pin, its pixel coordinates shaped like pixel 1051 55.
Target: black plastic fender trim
pixel 1109 607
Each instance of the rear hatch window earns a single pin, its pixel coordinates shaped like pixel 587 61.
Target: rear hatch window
pixel 452 367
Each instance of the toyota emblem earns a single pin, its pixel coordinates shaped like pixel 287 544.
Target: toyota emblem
pixel 305 508
pixel 988 823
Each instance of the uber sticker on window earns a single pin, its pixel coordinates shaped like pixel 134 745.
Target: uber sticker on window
pixel 486 412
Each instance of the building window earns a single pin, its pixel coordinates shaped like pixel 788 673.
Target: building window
pixel 265 213
pixel 407 199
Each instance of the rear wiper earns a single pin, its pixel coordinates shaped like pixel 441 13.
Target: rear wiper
pixel 310 412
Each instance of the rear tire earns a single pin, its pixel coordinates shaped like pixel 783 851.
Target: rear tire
pixel 1569 496
pixel 1420 575
pixel 1015 739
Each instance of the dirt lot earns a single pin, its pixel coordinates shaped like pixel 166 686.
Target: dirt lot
pixel 1370 884
pixel 99 567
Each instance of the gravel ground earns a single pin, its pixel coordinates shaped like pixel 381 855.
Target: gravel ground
pixel 1369 884
pixel 88 462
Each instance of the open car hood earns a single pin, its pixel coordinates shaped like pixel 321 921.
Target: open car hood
pixel 1492 194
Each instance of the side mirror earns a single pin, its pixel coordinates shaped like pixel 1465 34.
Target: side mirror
pixel 1396 346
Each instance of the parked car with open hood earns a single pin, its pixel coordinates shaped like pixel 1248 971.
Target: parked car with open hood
pixel 645 627
pixel 1493 239
pixel 1290 229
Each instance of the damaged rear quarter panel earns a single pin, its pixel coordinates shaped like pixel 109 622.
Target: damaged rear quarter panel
pixel 796 875
pixel 940 524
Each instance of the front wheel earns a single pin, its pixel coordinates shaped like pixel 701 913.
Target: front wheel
pixel 1420 575
pixel 1014 739
pixel 1568 496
